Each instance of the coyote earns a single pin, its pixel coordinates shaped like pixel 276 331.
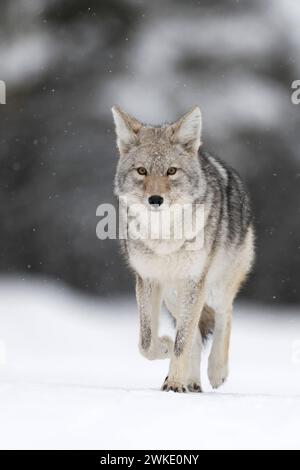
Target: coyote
pixel 160 166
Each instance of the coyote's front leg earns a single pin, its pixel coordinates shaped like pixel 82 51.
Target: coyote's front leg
pixel 191 301
pixel 149 296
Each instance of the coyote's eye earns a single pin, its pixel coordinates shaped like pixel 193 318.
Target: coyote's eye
pixel 171 171
pixel 142 171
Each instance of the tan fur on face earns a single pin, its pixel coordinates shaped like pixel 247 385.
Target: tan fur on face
pixel 157 185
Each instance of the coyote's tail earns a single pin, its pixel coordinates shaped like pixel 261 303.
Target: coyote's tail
pixel 207 320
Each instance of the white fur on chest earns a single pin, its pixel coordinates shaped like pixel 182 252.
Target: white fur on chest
pixel 170 257
pixel 168 267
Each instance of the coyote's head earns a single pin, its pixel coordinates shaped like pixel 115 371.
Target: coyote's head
pixel 158 166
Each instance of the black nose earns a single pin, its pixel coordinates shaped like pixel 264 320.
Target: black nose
pixel 156 200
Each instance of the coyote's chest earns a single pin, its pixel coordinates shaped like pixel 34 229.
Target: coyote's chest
pixel 172 249
pixel 166 263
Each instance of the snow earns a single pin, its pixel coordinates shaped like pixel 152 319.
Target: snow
pixel 71 377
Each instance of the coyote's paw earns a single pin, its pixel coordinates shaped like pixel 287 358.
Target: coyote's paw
pixel 195 387
pixel 173 386
pixel 161 349
pixel 217 374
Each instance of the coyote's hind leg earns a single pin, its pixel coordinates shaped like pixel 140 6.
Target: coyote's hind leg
pixel 218 358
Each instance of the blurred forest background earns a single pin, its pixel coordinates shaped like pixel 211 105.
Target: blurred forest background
pixel 65 63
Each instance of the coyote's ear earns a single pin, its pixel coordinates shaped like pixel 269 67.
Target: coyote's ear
pixel 187 130
pixel 127 129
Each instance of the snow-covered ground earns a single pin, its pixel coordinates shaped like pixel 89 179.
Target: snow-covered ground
pixel 71 377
